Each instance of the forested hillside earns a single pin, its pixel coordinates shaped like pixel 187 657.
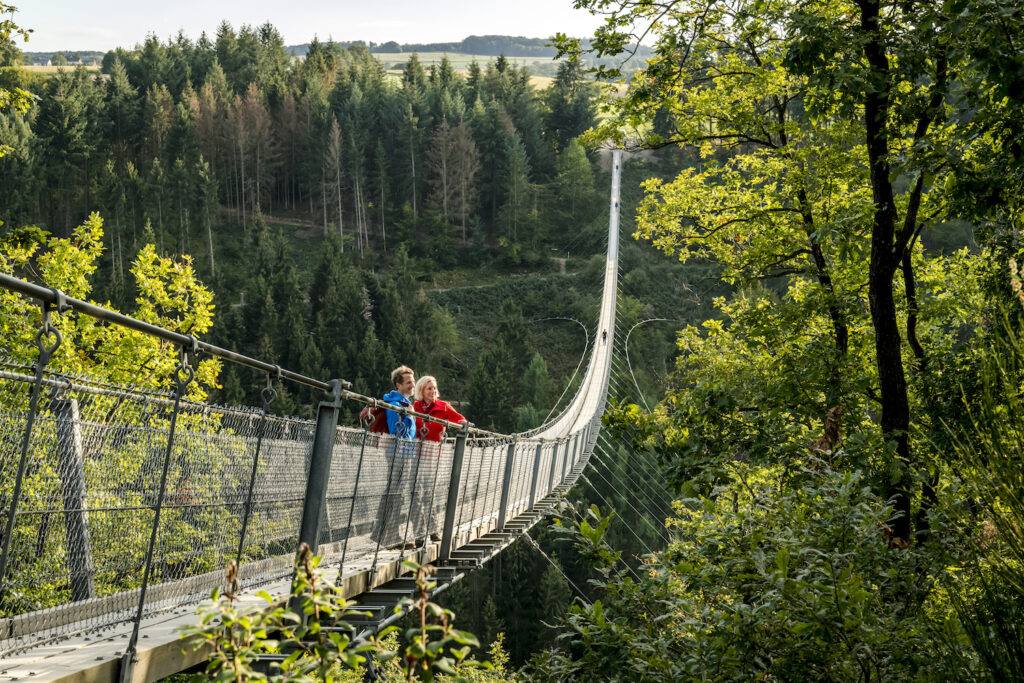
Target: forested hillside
pixel 345 219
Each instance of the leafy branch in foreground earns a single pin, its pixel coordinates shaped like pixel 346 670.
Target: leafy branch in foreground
pixel 318 646
pixel 764 582
pixel 433 645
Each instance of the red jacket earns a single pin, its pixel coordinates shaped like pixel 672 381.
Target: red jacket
pixel 440 409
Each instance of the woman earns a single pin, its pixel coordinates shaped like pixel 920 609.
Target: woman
pixel 429 403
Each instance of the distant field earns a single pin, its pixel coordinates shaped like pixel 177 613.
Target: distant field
pixel 538 82
pixel 459 61
pixel 394 62
pixel 55 69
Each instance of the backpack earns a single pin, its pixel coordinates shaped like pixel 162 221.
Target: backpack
pixel 375 418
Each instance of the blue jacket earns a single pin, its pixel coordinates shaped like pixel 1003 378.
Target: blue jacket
pixel 402 426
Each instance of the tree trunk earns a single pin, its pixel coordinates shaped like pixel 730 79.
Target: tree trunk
pixel 209 237
pixel 341 225
pixel 412 161
pixel 891 377
pixel 241 164
pixel 323 194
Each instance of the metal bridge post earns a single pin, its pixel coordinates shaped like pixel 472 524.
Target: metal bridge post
pixel 452 502
pixel 554 462
pixel 315 499
pixel 536 474
pixel 72 488
pixel 506 483
pixel 565 461
pixel 352 504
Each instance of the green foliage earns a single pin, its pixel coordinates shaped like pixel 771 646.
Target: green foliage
pixel 313 639
pixel 433 647
pixel 765 580
pixel 988 593
pixel 794 112
pixel 15 99
pixel 168 294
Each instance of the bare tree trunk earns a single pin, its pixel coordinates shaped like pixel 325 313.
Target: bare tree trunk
pixel 341 224
pixel 360 230
pixel 241 158
pixel 444 186
pixel 323 195
pixel 209 237
pixel 181 226
pixel 257 199
pixel 462 207
pixel 412 162
pixel 160 219
pixel 891 376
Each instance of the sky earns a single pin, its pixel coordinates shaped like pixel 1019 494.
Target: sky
pixel 102 25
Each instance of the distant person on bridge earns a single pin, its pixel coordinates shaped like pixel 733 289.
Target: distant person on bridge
pixel 404 381
pixel 428 402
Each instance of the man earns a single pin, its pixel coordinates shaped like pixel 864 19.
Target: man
pixel 394 518
pixel 404 381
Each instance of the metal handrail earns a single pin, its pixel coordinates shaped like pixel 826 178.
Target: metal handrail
pixel 56 298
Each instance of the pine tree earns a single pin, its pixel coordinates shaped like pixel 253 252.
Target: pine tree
pixel 207 204
pixel 413 75
pixel 553 594
pixel 491 131
pixel 441 163
pixel 334 173
pixel 380 179
pixel 408 153
pixel 123 114
pixel 288 140
pixel 575 184
pixel 466 163
pixel 537 384
pixel 518 193
pixel 570 101
pixel 159 116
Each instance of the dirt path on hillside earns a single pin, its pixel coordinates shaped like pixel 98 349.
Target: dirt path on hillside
pixel 273 220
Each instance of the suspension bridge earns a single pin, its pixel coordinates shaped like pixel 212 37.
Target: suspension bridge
pixel 121 507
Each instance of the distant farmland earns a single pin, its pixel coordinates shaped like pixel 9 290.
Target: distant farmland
pixel 461 62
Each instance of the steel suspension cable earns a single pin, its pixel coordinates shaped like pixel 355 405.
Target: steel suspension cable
pixel 614 488
pixel 613 509
pixel 554 564
pixel 651 506
pixel 647 476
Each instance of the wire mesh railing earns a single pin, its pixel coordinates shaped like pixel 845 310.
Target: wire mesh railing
pixel 229 484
